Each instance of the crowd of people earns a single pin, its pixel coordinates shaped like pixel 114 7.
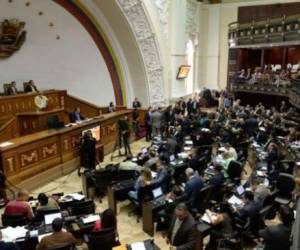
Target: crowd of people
pixel 220 139
pixel 268 76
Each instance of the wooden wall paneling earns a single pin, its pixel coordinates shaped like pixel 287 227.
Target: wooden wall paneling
pixel 293 55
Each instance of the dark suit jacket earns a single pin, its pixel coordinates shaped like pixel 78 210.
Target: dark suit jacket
pixel 148 119
pixel 28 88
pixel 250 210
pixel 217 180
pixel 192 188
pixel 73 117
pixel 10 91
pixel 185 236
pixel 8 246
pixel 276 237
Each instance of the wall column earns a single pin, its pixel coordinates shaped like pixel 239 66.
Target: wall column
pixel 178 46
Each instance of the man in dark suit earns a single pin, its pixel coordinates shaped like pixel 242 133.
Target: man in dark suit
pixel 193 185
pixel 136 103
pixel 148 124
pixel 189 106
pixel 181 234
pixel 7 245
pixel 218 179
pixel 30 87
pixel 125 132
pixel 251 208
pixel 76 116
pixel 12 89
pixel 251 126
pixel 278 237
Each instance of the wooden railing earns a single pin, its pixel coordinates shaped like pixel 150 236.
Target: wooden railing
pixel 87 109
pixel 285 29
pixel 9 130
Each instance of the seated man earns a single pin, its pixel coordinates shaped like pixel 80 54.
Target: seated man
pixel 153 159
pixel 76 116
pixel 181 234
pixel 128 164
pixel 251 208
pixel 41 101
pixel 46 202
pixel 58 238
pixel 20 206
pixel 278 237
pixel 218 179
pixel 7 245
pixel 193 185
pixel 12 89
pixel 162 174
pixel 30 87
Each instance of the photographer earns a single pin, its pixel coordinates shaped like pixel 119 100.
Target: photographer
pixel 88 151
pixel 124 131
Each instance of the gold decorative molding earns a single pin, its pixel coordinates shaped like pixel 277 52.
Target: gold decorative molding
pixel 29 157
pixel 10 165
pixel 49 150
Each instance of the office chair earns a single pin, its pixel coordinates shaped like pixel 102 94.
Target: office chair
pixel 285 186
pixel 234 171
pixel 40 213
pixel 202 199
pixel 68 247
pixel 104 239
pixel 54 123
pixel 83 208
pixel 286 166
pixel 14 220
pixel 101 179
pixel 126 175
pixel 144 194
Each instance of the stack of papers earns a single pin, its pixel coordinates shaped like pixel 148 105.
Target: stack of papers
pixel 138 246
pixel 91 218
pixel 74 196
pixel 10 234
pixel 235 201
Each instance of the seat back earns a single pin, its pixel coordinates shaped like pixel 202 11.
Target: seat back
pixel 40 213
pixel 202 198
pixel 104 239
pixel 83 208
pixel 145 193
pixel 68 247
pixel 5 88
pixel 285 184
pixel 234 170
pixel 14 220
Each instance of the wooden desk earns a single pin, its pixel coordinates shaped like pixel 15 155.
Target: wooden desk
pixel 32 122
pixel 12 105
pixel 38 158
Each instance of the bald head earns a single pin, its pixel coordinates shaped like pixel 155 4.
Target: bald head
pixel 23 195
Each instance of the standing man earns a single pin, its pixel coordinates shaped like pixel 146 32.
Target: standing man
pixel 136 122
pixel 148 124
pixel 156 122
pixel 88 150
pixel 136 103
pixel 181 234
pixel 125 132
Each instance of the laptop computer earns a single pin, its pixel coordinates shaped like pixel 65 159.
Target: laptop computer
pixel 157 192
pixel 172 158
pixel 49 218
pixel 240 190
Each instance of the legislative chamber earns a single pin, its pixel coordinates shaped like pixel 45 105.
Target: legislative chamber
pixel 149 125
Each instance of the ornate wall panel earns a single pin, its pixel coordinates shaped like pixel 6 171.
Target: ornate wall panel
pixel 136 15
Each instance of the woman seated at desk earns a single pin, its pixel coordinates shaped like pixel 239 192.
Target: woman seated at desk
pixel 108 220
pixel 222 223
pixel 144 179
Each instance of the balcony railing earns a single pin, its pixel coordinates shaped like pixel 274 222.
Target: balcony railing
pixel 285 29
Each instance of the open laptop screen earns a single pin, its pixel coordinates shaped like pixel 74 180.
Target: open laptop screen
pixel 157 192
pixel 50 217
